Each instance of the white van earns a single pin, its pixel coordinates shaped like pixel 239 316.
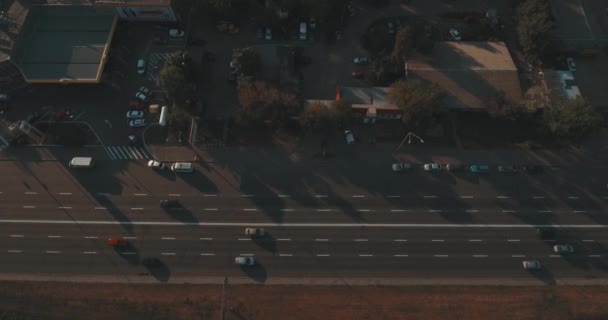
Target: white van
pixel 181 167
pixel 303 34
pixel 82 162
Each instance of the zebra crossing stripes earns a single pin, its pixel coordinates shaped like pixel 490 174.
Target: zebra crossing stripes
pixel 155 61
pixel 127 152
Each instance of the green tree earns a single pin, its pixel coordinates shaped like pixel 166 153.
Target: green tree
pixel 246 60
pixel 383 71
pixel 419 100
pixel 571 120
pixel 533 25
pixel 316 116
pixel 404 41
pixel 177 77
pixel 261 103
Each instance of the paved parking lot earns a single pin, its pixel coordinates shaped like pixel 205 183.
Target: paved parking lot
pixel 581 20
pixel 590 75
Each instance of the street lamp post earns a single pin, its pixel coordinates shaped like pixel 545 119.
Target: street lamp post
pixel 408 137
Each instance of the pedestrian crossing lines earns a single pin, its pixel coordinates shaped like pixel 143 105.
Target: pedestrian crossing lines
pixel 155 63
pixel 127 152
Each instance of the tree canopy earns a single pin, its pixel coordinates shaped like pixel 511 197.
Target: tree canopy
pixel 176 77
pixel 318 115
pixel 247 61
pixel 533 25
pixel 404 41
pixel 419 100
pixel 262 103
pixel 571 120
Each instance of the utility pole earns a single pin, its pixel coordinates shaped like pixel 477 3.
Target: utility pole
pixel 224 286
pixel 408 137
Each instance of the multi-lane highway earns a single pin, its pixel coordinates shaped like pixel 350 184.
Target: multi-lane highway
pixel 55 220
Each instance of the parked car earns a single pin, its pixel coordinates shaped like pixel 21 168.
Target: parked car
pixel 255 232
pixel 531 265
pixel 3 101
pixel 390 26
pixel 532 169
pixel 136 123
pixel 358 74
pixel 268 34
pixel 313 23
pixel 151 262
pixel 455 35
pixel 142 97
pixel 170 203
pixel 135 114
pixel 432 167
pixel 507 168
pixel 401 166
pixel 133 141
pixel 571 64
pixel 156 165
pixel 477 168
pixel 141 66
pixel 546 233
pixel 454 167
pixel 245 261
pixel 136 105
pixel 350 137
pixel 362 60
pixel 563 248
pixel 145 90
pixel 117 242
pixel 176 33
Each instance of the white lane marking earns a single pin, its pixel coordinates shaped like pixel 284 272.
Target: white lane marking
pixel 358 196
pixel 31 192
pixel 480 256
pixel 554 256
pixel 174 195
pixel 167 238
pixel 466 197
pixel 580 211
pixel 550 240
pixel 441 256
pixel 16 236
pixel 588 240
pixel 65 207
pixel 323 210
pixel 250 209
pixel 475 240
pixel 286 209
pixel 14 251
pixel 65 193
pixel 54 237
pixel 90 252
pixel 246 195
pixel 168 253
pixel 572 197
pixel 435 210
pixel 594 256
pixel 101 208
pixel 246 254
pixel 321 240
pixel 244 239
pixel 283 239
pixel 90 237
pixel 363 210
pixel 206 239
pixel 400 240
pixel 320 196
pixel 284 196
pixel 501 197
pixel 140 194
pixel 430 197
pixel 360 240
pixel 138 208
pixel 211 195
pixel 398 210
pixel 366 255
pixel 285 254
pixel 437 240
pixel 518 256
pixel 128 253
pixel 513 240
pixel 508 211
pixel 103 194
pixel 400 255
pixel 130 238
pixel 51 251
pixel 323 255
pixel 29 207
pixel 472 210
pixel 207 254
pixel 545 211
pixel 538 197
pixel 211 209
pixel 395 196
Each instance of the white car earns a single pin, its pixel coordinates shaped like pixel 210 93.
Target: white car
pixel 563 248
pixel 142 97
pixel 145 90
pixel 455 34
pixel 362 60
pixel 531 265
pixel 176 33
pixel 350 137
pixel 255 232
pixel 156 165
pixel 571 64
pixel 432 167
pixel 135 114
pixel 135 123
pixel 141 66
pixel 400 166
pixel 268 34
pixel 244 261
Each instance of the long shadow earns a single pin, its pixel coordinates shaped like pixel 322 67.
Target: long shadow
pixel 160 271
pixel 199 181
pixel 129 253
pixel 256 272
pixel 265 199
pixel 544 274
pixel 115 212
pixel 266 242
pixel 181 214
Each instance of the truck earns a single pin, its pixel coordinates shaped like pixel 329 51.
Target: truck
pixel 82 162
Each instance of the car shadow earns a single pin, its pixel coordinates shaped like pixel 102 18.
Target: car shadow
pixel 266 242
pixel 257 272
pixel 544 275
pixel 181 214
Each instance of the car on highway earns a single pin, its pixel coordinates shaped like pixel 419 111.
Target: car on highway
pixel 401 166
pixel 362 60
pixel 255 232
pixel 563 248
pixel 532 169
pixel 454 167
pixel 432 167
pixel 135 114
pixel 531 265
pixel 507 169
pixel 136 123
pixel 156 165
pixel 170 203
pixel 571 64
pixel 117 242
pixel 455 35
pixel 176 33
pixel 141 66
pixel 182 167
pixel 545 233
pixel 151 262
pixel 479 168
pixel 244 261
pixel 350 137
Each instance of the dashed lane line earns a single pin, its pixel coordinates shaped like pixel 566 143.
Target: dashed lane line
pixel 128 253
pixel 398 210
pixel 14 251
pixel 518 256
pixel 400 240
pixel 545 211
pixel 573 198
pixel 466 197
pixel 437 240
pixel 90 252
pixel 284 196
pixel 393 196
pixel 323 255
pixel 247 195
pixel 168 253
pixel 286 210
pixel 246 254
pixel 441 256
pixel 52 251
pixel 323 210
pixel 53 237
pixel 283 239
pixel 207 254
pixel 250 209
pixel 358 196
pixel 285 255
pixel 430 197
pixel 210 195
pixel 174 195
pixel 502 197
pixel 211 209
pixel 594 256
pixel 475 240
pixel 435 210
pixel 320 196
pixel 364 210
pixel 508 211
pixel 538 197
pixel 321 240
pixel 101 208
pixel 137 209
pixel 65 193
pixel 167 238
pixel 513 240
pixel 29 207
pixel 401 255
pixel 90 237
pixel 140 194
pixel 554 256
pixel 16 236
pixel 244 239
pixel 130 238
pixel 579 211
pixel 65 207
pixel 206 239
pixel 588 240
pixel 30 192
pixel 472 210
pixel 366 255
pixel 480 256
pixel 360 240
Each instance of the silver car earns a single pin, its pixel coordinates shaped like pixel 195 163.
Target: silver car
pixel 244 261
pixel 432 167
pixel 563 248
pixel 400 166
pixel 531 265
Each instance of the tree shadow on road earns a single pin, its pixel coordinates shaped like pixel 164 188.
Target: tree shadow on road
pixel 199 181
pixel 129 253
pixel 266 242
pixel 257 272
pixel 264 198
pixel 160 272
pixel 181 214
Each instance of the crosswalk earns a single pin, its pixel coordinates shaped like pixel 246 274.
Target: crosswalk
pixel 127 152
pixel 155 62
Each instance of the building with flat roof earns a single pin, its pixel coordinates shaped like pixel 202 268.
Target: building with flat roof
pixel 369 103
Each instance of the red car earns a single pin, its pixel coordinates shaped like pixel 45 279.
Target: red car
pixel 357 74
pixel 136 105
pixel 117 242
